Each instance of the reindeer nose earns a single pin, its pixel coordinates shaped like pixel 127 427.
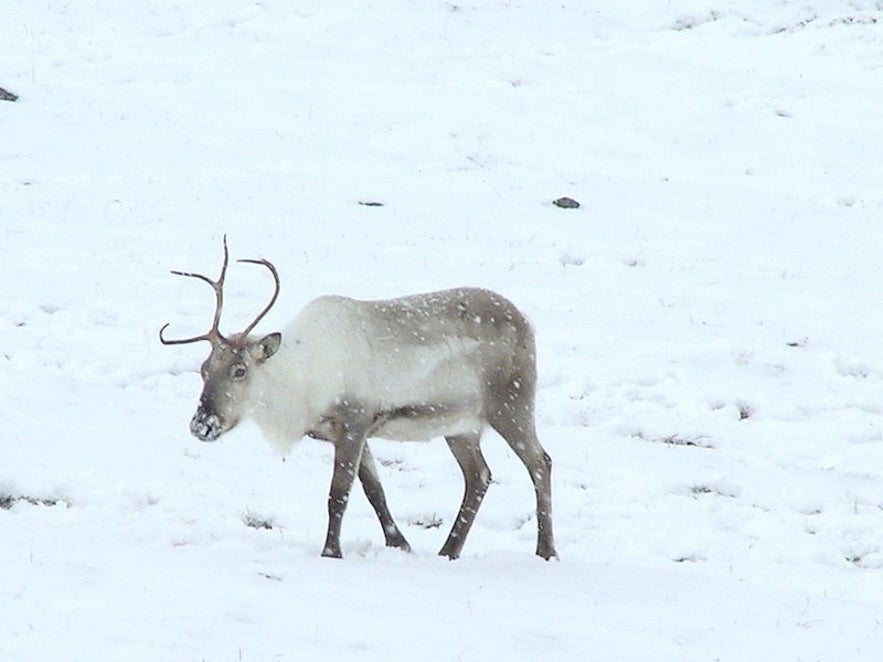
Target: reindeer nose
pixel 205 428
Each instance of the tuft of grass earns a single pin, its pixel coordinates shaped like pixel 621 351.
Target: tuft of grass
pixel 7 501
pixel 255 521
pixel 428 522
pixel 699 441
pixel 702 490
pixel 854 559
pixel 272 578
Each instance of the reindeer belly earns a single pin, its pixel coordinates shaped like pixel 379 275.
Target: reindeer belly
pixel 430 391
pixel 424 422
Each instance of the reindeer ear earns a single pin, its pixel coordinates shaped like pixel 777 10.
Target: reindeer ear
pixel 267 346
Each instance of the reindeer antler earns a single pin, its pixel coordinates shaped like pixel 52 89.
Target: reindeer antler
pixel 214 334
pixel 275 273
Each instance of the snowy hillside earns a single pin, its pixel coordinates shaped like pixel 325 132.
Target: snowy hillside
pixel 708 322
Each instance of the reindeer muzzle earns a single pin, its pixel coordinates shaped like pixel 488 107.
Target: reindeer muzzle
pixel 206 428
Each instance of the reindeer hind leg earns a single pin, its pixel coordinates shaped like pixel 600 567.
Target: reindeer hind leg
pixel 477 477
pixel 512 416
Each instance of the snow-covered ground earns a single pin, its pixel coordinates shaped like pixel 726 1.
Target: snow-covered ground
pixel 708 323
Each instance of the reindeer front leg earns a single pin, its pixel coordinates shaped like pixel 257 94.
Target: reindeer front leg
pixel 377 499
pixel 350 427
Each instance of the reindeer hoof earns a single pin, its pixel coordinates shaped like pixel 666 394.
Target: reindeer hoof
pixel 332 553
pixel 547 554
pixel 398 540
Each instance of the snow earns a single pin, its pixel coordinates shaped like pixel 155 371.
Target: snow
pixel 707 325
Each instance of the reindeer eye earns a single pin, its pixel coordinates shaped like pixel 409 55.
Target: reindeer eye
pixel 238 372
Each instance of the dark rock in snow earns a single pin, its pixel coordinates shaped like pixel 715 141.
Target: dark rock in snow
pixel 566 203
pixel 7 96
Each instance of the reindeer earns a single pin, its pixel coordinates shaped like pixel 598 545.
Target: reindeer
pixel 444 364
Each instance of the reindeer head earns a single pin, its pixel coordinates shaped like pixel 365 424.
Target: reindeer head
pixel 228 369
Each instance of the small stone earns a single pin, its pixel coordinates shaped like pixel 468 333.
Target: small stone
pixel 7 96
pixel 566 203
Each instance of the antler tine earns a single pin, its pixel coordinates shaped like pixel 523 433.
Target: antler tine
pixel 218 287
pixel 183 341
pixel 214 334
pixel 275 273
